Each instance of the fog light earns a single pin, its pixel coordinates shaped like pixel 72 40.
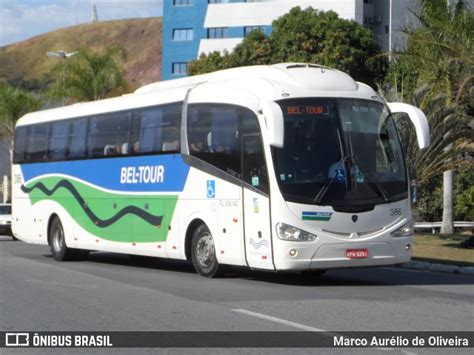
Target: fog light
pixel 407 247
pixel 293 252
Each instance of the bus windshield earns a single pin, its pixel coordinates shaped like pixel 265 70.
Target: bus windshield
pixel 339 152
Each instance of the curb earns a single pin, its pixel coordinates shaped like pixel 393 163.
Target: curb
pixel 425 265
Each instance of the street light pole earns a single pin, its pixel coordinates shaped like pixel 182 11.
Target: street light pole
pixel 64 55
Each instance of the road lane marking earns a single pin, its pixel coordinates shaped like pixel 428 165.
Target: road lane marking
pixel 61 284
pixel 281 321
pixel 305 327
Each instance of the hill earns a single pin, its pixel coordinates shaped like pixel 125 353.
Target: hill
pixel 25 63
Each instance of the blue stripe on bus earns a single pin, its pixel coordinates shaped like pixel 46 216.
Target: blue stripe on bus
pixel 134 174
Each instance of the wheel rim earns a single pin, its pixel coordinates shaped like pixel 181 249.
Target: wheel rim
pixel 205 250
pixel 58 238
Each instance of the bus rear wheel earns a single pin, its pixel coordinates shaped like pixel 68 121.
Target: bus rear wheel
pixel 57 242
pixel 203 253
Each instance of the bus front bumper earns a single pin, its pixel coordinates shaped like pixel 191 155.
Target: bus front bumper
pixel 328 256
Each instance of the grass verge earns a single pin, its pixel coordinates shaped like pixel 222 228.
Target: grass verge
pixel 444 249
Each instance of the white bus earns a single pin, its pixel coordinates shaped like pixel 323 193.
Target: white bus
pixel 283 167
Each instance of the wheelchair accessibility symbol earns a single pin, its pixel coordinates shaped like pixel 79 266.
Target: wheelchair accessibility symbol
pixel 211 189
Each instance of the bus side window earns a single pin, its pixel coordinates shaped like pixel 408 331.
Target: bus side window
pixel 108 134
pixel 157 130
pixel 37 148
pixel 19 149
pixel 221 147
pixel 171 128
pixel 58 141
pixel 199 131
pixel 77 143
pixel 254 166
pixel 150 131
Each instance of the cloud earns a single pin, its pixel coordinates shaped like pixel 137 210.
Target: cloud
pixel 23 19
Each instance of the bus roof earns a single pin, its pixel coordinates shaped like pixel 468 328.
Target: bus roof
pixel 267 82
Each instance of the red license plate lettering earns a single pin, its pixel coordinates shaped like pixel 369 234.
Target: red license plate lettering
pixel 357 253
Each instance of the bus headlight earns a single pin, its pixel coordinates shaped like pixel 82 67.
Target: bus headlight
pixel 404 231
pixel 287 232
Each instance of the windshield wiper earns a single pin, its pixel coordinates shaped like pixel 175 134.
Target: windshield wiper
pixel 376 187
pixel 354 162
pixel 317 199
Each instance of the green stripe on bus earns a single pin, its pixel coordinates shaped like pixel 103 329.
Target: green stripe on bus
pixel 312 218
pixel 129 227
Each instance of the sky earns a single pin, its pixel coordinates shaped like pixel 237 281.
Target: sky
pixel 22 19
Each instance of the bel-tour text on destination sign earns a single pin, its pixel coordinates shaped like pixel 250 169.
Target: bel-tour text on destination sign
pixel 401 341
pixel 144 174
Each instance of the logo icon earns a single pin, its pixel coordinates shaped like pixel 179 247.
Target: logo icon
pixel 340 175
pixel 316 216
pixel 259 243
pixel 354 218
pixel 17 339
pixel 211 189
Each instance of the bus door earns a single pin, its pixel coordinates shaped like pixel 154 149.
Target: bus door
pixel 241 188
pixel 256 199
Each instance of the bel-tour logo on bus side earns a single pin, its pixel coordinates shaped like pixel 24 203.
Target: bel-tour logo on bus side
pixel 316 216
pixel 142 174
pixel 211 189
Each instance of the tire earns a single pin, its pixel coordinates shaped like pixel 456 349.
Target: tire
pixel 57 242
pixel 203 253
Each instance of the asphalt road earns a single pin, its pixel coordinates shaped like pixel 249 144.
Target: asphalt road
pixel 111 292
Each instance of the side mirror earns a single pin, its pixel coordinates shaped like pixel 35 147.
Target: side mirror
pixel 418 119
pixel 275 123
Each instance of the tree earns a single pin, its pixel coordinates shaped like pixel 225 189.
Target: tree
pixel 315 36
pixel 440 55
pixel 448 129
pixel 209 63
pixel 440 52
pixel 465 205
pixel 310 36
pixel 464 187
pixel 254 50
pixel 14 103
pixel 90 76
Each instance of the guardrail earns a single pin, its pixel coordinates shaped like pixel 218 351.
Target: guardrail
pixel 436 225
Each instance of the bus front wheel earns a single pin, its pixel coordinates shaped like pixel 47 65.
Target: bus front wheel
pixel 203 253
pixel 57 242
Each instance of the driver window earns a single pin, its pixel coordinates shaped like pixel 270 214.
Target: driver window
pixel 255 169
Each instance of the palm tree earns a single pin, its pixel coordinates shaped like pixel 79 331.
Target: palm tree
pixel 450 137
pixel 440 54
pixel 14 103
pixel 90 76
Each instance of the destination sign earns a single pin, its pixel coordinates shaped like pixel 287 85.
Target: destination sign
pixel 308 110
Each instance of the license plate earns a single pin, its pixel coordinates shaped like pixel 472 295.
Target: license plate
pixel 357 253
